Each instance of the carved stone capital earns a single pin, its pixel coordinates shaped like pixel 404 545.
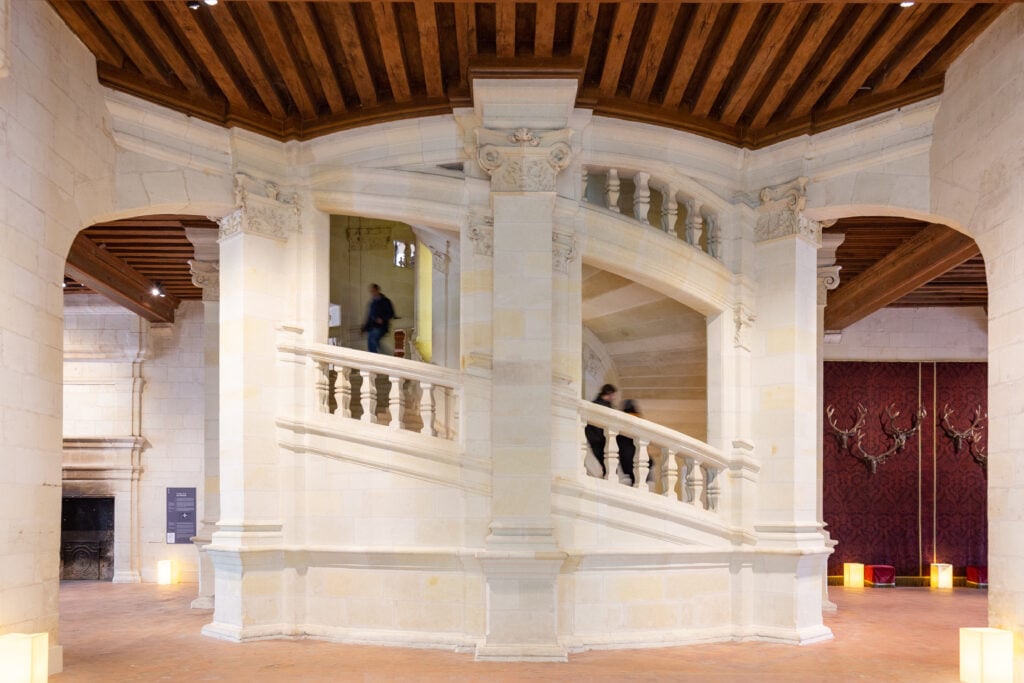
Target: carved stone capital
pixel 744 320
pixel 206 276
pixel 563 251
pixel 368 239
pixel 781 213
pixel 262 210
pixel 523 160
pixel 828 279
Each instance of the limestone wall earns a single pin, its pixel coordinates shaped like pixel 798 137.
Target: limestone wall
pixel 914 334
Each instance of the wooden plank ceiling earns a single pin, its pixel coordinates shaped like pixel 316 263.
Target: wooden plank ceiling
pixel 155 247
pixel 748 74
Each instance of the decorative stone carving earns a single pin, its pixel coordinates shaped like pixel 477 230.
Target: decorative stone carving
pixel 744 319
pixel 714 236
pixel 781 213
pixel 440 261
pixel 563 251
pixel 263 210
pixel 828 271
pixel 368 239
pixel 694 222
pixel 529 164
pixel 828 279
pixel 481 233
pixel 206 276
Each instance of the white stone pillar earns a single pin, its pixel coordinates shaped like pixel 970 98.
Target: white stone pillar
pixel 523 145
pixel 828 279
pixel 256 272
pixel 791 550
pixel 206 275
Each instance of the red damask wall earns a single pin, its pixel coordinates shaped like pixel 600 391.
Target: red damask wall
pixel 925 504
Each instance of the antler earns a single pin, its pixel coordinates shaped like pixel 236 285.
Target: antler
pixel 844 435
pixel 855 433
pixel 971 436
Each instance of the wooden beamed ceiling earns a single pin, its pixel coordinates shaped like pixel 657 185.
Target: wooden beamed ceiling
pixel 748 74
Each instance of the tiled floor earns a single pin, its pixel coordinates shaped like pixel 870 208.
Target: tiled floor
pixel 147 633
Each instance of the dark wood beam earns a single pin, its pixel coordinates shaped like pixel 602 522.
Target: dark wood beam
pixel 583 34
pixel 941 21
pixel 316 47
pixel 693 46
pixel 108 275
pixel 269 27
pixel 618 44
pixel 430 49
pixel 391 48
pixel 544 37
pixel 935 250
pixel 347 34
pixel 654 49
pixel 732 42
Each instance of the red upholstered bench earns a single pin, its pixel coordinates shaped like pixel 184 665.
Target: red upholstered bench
pixel 879 575
pixel 977 576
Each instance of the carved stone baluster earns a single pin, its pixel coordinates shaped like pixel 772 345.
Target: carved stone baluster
pixel 395 402
pixel 611 455
pixel 641 465
pixel 712 489
pixel 669 474
pixel 611 190
pixel 584 177
pixel 323 386
pixel 641 197
pixel 714 236
pixel 669 211
pixel 427 409
pixel 343 390
pixel 694 222
pixel 368 396
pixel 581 435
pixel 691 483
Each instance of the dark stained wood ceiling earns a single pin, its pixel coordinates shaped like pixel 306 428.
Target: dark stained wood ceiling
pixel 745 73
pixel 869 239
pixel 155 246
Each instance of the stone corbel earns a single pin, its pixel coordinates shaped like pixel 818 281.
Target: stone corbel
pixel 206 276
pixel 782 213
pixel 828 279
pixel 263 210
pixel 523 160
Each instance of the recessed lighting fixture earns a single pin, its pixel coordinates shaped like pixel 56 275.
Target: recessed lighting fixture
pixel 864 87
pixel 193 4
pixel 211 3
pixel 905 3
pixel 158 290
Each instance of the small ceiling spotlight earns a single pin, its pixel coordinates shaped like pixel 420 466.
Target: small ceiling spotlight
pixel 64 284
pixel 905 3
pixel 158 290
pixel 193 4
pixel 211 3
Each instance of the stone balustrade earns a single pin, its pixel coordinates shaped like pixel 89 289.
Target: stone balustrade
pixel 396 392
pixel 653 201
pixel 684 468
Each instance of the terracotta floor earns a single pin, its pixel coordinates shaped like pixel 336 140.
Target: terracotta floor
pixel 147 633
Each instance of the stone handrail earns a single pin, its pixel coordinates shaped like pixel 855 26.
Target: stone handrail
pixel 380 389
pixel 687 469
pixel 698 226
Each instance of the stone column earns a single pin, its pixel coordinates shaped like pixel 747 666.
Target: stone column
pixel 206 275
pixel 828 279
pixel 256 276
pixel 523 145
pixel 791 550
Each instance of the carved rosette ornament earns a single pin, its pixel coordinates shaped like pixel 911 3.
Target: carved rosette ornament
pixel 263 210
pixel 206 276
pixel 782 213
pixel 523 160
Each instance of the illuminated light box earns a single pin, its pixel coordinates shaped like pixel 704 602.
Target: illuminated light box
pixel 986 655
pixel 24 657
pixel 942 575
pixel 165 572
pixel 853 575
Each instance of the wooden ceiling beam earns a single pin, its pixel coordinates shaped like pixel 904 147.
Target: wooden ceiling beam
pixel 309 30
pixel 89 31
pixel 934 251
pixel 391 48
pixel 108 275
pixel 822 23
pixel 618 44
pixel 236 42
pixel 725 58
pixel 430 48
pixel 936 64
pixel 268 24
pixel 654 50
pixel 583 34
pixel 144 14
pixel 128 39
pixel 757 75
pixel 465 41
pixel 544 36
pixel 939 25
pixel 505 29
pixel 214 61
pixel 347 33
pixel 693 46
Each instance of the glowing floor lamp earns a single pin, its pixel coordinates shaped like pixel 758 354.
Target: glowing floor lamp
pixel 24 657
pixel 165 573
pixel 986 655
pixel 942 575
pixel 853 575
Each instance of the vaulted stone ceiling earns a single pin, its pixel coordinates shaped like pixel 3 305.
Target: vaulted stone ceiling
pixel 745 73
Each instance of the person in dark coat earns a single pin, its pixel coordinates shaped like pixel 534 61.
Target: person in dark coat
pixel 595 434
pixel 379 313
pixel 627 445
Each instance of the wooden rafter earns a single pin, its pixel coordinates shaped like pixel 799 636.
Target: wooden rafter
pixel 102 272
pixel 932 252
pixel 430 50
pixel 268 24
pixel 347 35
pixel 236 41
pixel 735 35
pixel 618 43
pixel 544 37
pixel 149 22
pixel 391 47
pixel 310 32
pixel 693 47
pixel 654 50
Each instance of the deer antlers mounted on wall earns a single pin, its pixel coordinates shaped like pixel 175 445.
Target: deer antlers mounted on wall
pixel 852 439
pixel 971 436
